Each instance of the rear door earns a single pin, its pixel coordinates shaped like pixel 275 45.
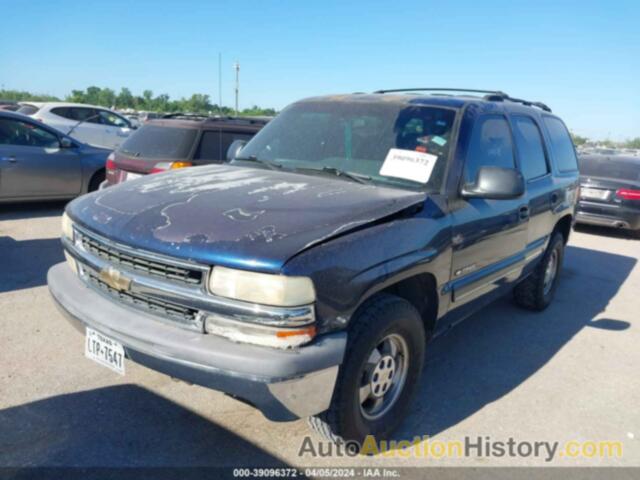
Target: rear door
pixel 535 166
pixel 489 236
pixel 32 164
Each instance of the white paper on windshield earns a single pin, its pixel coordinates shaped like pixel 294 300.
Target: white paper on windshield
pixel 409 165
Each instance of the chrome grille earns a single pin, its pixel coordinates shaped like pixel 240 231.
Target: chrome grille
pixel 152 305
pixel 133 262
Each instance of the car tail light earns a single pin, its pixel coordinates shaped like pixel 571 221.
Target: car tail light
pixel 628 194
pixel 164 166
pixel 111 164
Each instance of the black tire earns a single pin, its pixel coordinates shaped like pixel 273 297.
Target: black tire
pixel 532 293
pixel 96 180
pixel 385 316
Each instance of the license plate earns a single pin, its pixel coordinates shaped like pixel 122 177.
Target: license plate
pixel 104 350
pixel 132 176
pixel 594 193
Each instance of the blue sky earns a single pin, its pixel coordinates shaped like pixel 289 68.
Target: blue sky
pixel 580 57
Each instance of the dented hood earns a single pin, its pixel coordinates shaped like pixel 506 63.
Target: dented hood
pixel 235 216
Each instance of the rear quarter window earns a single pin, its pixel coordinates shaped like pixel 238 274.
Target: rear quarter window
pixel 561 145
pixel 28 109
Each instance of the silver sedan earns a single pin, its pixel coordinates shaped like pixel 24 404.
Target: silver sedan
pixel 38 162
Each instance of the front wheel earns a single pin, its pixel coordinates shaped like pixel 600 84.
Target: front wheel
pixel 379 374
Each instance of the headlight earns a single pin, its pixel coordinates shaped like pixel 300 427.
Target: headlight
pixel 67 226
pixel 262 288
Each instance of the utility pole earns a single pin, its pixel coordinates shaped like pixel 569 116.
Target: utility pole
pixel 220 83
pixel 236 66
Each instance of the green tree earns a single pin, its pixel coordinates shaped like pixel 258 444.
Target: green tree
pixel 633 143
pixel 578 140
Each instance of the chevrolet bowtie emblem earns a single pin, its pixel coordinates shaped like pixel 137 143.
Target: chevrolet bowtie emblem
pixel 115 279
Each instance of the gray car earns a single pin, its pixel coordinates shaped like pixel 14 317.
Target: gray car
pixel 38 162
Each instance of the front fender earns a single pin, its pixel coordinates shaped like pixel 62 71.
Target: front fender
pixel 349 269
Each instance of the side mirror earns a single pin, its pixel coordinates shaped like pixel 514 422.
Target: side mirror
pixel 234 149
pixel 496 183
pixel 65 142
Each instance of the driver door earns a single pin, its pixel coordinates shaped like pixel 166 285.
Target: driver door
pixel 116 129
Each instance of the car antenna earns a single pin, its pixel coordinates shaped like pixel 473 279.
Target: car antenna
pixel 91 117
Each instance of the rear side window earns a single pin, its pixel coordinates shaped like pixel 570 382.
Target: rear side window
pixel 28 109
pixel 214 144
pixel 561 144
pixel 490 145
pixel 533 161
pixel 155 141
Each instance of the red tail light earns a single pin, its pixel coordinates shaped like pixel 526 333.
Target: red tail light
pixel 628 194
pixel 111 165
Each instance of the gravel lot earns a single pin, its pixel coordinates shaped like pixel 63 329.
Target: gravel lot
pixel 570 373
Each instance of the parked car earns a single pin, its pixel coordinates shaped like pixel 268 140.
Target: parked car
pixel 177 141
pixel 9 105
pixel 306 277
pixel 38 162
pixel 90 124
pixel 610 191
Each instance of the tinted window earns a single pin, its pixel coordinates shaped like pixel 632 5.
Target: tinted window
pixel 610 167
pixel 561 144
pixel 355 136
pixel 526 133
pixel 15 132
pixel 155 141
pixel 28 109
pixel 490 145
pixel 210 147
pixel 63 112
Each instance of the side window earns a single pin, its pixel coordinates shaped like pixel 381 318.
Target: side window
pixel 111 119
pixel 63 112
pixel 490 145
pixel 210 147
pixel 561 144
pixel 533 161
pixel 81 114
pixel 15 132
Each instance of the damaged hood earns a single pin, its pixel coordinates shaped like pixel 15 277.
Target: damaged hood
pixel 235 216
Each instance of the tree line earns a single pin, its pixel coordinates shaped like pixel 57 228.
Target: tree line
pixel 125 99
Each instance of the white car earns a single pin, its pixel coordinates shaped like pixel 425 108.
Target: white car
pixel 90 124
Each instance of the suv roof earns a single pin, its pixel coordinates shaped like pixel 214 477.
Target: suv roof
pixel 451 97
pixel 190 120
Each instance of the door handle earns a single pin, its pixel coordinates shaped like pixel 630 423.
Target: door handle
pixel 11 159
pixel 524 212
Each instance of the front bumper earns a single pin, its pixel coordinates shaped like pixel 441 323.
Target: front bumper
pixel 283 384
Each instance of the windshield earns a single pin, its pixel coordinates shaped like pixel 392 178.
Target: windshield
pixel 605 167
pixel 154 141
pixel 386 143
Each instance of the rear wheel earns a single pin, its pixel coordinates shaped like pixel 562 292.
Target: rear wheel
pixel 96 180
pixel 537 290
pixel 379 374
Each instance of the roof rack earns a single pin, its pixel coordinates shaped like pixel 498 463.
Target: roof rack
pixel 213 118
pixel 490 95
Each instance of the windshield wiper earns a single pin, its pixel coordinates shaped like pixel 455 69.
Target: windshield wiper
pixel 356 177
pixel 253 158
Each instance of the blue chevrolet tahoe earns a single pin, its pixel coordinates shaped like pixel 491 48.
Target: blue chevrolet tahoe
pixel 307 276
